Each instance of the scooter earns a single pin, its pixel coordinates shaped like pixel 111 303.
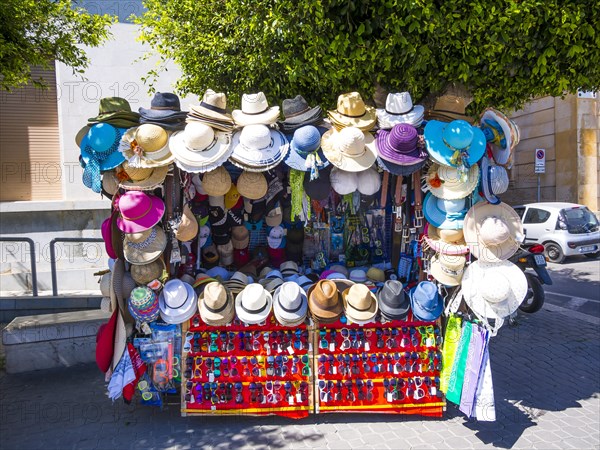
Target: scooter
pixel 532 257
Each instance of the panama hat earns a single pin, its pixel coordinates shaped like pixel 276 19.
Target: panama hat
pixel 255 111
pixel 213 107
pixel 493 232
pixel 494 290
pixel 352 112
pixel 298 113
pixel 450 242
pixel 177 302
pixel 145 273
pixel 349 149
pixel 139 211
pixel 447 269
pixel 444 214
pixel 494 180
pixel 146 146
pixel 216 182
pixel 502 134
pixel 145 246
pixel 198 148
pixel 253 304
pixel 237 282
pixel 258 148
pixel 394 304
pixel 325 301
pixel 449 183
pixel 399 108
pixel 290 304
pixel 99 152
pixel 426 302
pixel 360 304
pixel 457 143
pixel 143 304
pixel 142 179
pixel 305 153
pixel 252 185
pixel 216 304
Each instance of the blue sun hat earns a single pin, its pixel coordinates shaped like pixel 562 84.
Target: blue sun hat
pixel 305 151
pixel 100 152
pixel 456 144
pixel 445 214
pixel 426 302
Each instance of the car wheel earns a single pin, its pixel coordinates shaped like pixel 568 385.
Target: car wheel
pixel 554 252
pixel 592 255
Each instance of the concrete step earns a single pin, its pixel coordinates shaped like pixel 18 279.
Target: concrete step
pixel 75 279
pixel 63 262
pixel 11 307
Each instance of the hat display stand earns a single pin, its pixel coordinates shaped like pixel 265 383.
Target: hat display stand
pixel 373 236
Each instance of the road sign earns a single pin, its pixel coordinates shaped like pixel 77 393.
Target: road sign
pixel 540 160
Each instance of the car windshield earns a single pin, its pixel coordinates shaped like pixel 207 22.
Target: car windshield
pixel 579 220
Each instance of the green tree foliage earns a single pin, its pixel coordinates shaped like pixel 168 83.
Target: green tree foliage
pixel 37 32
pixel 503 51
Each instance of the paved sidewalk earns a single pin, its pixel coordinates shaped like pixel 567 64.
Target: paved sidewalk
pixel 546 376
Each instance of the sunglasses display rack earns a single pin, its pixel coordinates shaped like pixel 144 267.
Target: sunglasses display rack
pixel 391 367
pixel 246 369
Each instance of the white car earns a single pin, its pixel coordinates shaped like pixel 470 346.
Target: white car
pixel 565 229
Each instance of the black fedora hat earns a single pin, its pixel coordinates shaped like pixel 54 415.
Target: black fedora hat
pixel 393 302
pixel 163 106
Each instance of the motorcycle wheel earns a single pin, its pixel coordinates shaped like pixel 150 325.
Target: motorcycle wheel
pixel 534 300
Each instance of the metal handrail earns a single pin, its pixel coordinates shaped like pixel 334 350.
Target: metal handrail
pixel 53 256
pixel 31 257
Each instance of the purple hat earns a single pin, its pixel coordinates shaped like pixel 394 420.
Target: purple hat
pixel 399 145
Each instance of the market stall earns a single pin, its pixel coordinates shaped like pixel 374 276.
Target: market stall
pixel 269 261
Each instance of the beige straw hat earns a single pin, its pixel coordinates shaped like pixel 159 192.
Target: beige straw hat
pixel 449 183
pixel 252 185
pixel 188 227
pixel 143 179
pixel 146 146
pixel 216 182
pixel 216 304
pixel 448 269
pixel 145 246
pixel 145 273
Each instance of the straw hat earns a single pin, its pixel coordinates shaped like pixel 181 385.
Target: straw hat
pixel 493 232
pixel 325 301
pixel 399 108
pixel 177 302
pixel 450 242
pixel 297 113
pixel 146 146
pixel 426 302
pixel 188 227
pixel 255 111
pixel 290 304
pixel 349 149
pixel 360 304
pixel 448 108
pixel 213 106
pixel 199 148
pixel 494 180
pixel 145 246
pixel 143 179
pixel 352 112
pixel 494 290
pixel 237 282
pixel 217 182
pixel 145 273
pixel 448 269
pixel 216 304
pixel 252 185
pixel 502 134
pixel 449 183
pixel 253 304
pixel 258 148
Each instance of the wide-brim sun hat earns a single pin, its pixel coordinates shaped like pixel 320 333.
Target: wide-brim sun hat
pixel 494 290
pixel 444 214
pixel 290 304
pixel 199 148
pixel 450 242
pixel 457 143
pixel 139 211
pixel 360 304
pixel 102 140
pixel 503 145
pixel 350 149
pixel 154 178
pixel 400 145
pixel 144 247
pixel 216 304
pixel 397 169
pixel 449 183
pixel 258 148
pixel 305 150
pixel 253 304
pixel 426 302
pixel 493 232
pixel 163 106
pixel 177 302
pixel 494 180
pixel 447 269
pixel 146 146
pixel 296 111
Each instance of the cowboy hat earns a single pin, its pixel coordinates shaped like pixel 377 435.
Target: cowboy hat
pixel 399 108
pixel 216 304
pixel 325 301
pixel 448 108
pixel 145 246
pixel 349 149
pixel 447 269
pixel 426 302
pixel 253 304
pixel 177 302
pixel 290 304
pixel 255 111
pixel 352 112
pixel 449 183
pixel 493 232
pixel 494 290
pixel 457 143
pixel 198 148
pixel 360 304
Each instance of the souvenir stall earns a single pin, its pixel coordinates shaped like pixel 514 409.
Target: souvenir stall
pixel 267 261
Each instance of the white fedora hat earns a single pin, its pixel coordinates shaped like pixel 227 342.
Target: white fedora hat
pixel 177 302
pixel 255 110
pixel 399 108
pixel 290 304
pixel 253 304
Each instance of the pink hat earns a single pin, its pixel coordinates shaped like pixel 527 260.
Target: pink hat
pixel 107 236
pixel 139 211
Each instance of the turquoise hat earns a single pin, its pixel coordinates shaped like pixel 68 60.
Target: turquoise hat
pixel 445 214
pixel 100 152
pixel 456 144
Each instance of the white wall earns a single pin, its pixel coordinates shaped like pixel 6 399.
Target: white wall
pixel 116 69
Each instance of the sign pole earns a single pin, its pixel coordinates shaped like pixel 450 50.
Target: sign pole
pixel 540 168
pixel 539 188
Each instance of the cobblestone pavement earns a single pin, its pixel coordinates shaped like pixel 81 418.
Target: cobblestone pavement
pixel 547 384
